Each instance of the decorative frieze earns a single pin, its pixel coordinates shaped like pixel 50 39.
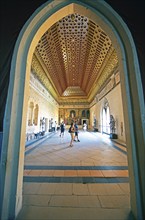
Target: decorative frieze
pixel 39 88
pixel 114 80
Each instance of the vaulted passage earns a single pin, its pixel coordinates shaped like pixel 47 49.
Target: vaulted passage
pixel 75 56
pixel 74 61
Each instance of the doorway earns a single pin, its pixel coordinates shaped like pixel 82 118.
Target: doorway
pixel 14 141
pixel 106 119
pixel 85 121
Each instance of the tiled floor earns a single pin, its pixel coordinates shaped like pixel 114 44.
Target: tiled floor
pixel 86 181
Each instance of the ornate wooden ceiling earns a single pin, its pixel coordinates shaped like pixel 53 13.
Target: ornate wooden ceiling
pixel 73 59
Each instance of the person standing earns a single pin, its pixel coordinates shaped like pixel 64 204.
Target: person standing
pixel 62 129
pixel 72 132
pixel 76 132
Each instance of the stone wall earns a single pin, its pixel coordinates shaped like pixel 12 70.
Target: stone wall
pixel 42 109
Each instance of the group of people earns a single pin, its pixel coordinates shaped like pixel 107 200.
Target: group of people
pixel 73 130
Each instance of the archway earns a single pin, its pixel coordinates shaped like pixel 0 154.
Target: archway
pixel 105 118
pixel 15 116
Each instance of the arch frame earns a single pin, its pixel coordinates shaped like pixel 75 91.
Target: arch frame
pixel 13 145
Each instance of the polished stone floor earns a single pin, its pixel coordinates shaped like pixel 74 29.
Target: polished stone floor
pixel 85 182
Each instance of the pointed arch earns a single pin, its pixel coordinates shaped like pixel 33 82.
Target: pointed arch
pixel 13 140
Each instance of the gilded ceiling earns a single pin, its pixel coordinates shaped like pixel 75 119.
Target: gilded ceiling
pixel 73 59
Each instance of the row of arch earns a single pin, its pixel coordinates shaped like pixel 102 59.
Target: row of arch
pixel 85 113
pixel 33 113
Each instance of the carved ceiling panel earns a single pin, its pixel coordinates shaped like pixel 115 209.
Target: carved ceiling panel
pixel 76 55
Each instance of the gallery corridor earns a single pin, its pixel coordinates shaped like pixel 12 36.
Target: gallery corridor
pixel 87 181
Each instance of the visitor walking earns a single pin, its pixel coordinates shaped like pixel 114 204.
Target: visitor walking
pixel 72 131
pixel 62 128
pixel 76 132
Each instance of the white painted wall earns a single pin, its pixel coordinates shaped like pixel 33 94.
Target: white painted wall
pixel 114 99
pixel 48 107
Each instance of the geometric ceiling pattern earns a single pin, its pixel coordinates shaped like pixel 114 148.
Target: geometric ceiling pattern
pixel 73 59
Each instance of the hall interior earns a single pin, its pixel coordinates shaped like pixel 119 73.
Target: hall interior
pixel 76 64
pixel 75 76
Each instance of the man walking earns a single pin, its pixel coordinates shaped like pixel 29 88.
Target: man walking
pixel 62 128
pixel 76 132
